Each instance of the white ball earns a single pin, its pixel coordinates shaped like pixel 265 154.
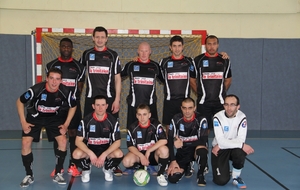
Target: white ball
pixel 141 177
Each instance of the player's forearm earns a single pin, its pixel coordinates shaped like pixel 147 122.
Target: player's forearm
pixel 227 83
pixel 118 87
pixel 193 84
pixel 70 115
pixel 135 151
pixel 158 144
pixel 114 146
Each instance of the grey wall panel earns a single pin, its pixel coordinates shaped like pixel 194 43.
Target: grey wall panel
pixel 281 88
pixel 15 68
pixel 246 64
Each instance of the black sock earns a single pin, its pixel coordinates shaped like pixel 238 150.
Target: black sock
pixel 27 163
pixel 201 159
pixel 163 162
pixel 112 162
pixel 82 163
pixel 60 159
pixel 72 148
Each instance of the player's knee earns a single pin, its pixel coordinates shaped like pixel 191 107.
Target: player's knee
pixel 118 153
pixel 221 180
pixel 175 177
pixel 77 154
pixel 202 152
pixel 163 152
pixel 127 162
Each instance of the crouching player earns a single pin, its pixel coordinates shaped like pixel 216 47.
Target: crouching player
pixel 98 141
pixel 188 134
pixel 146 142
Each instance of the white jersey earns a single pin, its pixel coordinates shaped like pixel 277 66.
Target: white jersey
pixel 229 132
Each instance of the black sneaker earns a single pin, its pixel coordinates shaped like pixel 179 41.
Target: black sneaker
pixel 201 181
pixel 189 170
pixel 27 181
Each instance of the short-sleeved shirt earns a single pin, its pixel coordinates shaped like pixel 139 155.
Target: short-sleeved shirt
pixel 144 137
pixel 73 72
pixel 99 134
pixel 176 74
pixel 42 103
pixel 192 132
pixel 101 66
pixel 142 82
pixel 211 72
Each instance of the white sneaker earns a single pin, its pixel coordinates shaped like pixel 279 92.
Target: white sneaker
pixel 85 176
pixel 162 180
pixel 58 178
pixel 108 174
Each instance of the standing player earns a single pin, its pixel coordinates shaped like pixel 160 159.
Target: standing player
pixel 143 74
pixel 45 102
pixel 188 134
pixel 146 142
pixel 214 79
pixel 176 71
pixel 98 141
pixel 230 127
pixel 73 77
pixel 103 76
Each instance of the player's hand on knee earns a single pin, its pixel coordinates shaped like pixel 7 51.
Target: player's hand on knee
pixel 248 149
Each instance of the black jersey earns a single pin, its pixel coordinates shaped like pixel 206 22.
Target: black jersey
pixel 73 72
pixel 176 74
pixel 144 137
pixel 101 66
pixel 211 72
pixel 42 103
pixel 142 82
pixel 99 134
pixel 193 132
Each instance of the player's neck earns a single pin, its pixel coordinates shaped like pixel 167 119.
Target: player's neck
pixel 100 48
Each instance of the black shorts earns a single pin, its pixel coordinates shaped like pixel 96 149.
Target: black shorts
pixel 89 109
pixel 208 110
pixel 131 113
pixel 171 107
pixel 50 124
pixel 77 117
pixel 185 155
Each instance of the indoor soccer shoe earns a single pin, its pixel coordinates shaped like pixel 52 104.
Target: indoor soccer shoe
pixel 74 171
pixel 85 176
pixel 161 180
pixel 58 178
pixel 201 181
pixel 27 181
pixel 190 170
pixel 117 171
pixel 239 183
pixel 53 172
pixel 108 174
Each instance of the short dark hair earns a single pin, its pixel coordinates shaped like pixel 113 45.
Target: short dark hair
pixel 66 40
pixel 211 37
pixel 54 70
pixel 100 29
pixel 176 39
pixel 143 106
pixel 99 97
pixel 235 96
pixel 187 100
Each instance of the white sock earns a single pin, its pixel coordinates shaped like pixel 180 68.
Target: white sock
pixel 236 173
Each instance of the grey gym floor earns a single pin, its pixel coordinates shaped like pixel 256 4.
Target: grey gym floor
pixel 274 165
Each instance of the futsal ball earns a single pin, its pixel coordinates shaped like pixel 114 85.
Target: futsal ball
pixel 141 177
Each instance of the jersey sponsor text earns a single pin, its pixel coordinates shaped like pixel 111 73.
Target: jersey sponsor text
pixel 99 70
pixel 69 82
pixel 177 75
pixel 143 80
pixel 44 109
pixel 212 75
pixel 98 141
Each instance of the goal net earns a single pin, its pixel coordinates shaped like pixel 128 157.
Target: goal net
pixel 125 43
